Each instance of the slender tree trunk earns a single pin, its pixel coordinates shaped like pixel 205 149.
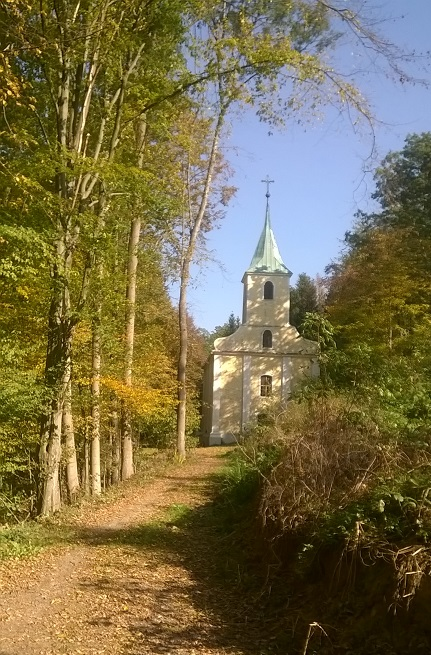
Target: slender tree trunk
pixel 116 448
pixel 72 479
pixel 127 468
pixel 108 462
pixel 132 266
pixel 182 370
pixel 86 475
pixel 187 257
pixel 95 407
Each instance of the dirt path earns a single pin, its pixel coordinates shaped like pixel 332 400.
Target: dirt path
pixel 132 585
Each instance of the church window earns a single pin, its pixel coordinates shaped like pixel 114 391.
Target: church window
pixel 266 385
pixel 268 291
pixel 267 339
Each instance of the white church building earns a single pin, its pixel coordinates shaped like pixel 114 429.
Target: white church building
pixel 264 358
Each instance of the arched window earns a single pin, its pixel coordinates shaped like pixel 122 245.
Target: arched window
pixel 266 385
pixel 268 291
pixel 267 339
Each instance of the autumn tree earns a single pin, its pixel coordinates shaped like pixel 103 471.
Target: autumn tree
pixel 381 280
pixel 379 299
pixel 81 61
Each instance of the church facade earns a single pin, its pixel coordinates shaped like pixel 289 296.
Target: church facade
pixel 264 358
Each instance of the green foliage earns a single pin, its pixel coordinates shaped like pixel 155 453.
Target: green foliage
pixel 27 539
pixel 303 300
pixel 317 328
pixel 98 126
pixel 379 297
pixel 21 396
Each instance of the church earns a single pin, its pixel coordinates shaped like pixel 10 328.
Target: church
pixel 264 358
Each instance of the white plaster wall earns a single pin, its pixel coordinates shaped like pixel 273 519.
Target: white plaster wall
pixel 257 310
pixel 246 390
pixel 239 360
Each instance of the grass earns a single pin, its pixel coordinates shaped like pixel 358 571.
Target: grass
pixel 29 538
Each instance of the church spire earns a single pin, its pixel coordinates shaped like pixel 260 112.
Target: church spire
pixel 267 258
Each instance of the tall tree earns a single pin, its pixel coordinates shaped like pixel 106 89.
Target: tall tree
pixel 82 61
pixel 380 289
pixel 200 167
pixel 271 56
pixel 303 299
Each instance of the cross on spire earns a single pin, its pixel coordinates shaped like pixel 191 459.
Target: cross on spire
pixel 267 181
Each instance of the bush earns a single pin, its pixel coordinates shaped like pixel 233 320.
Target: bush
pixel 326 466
pixel 329 455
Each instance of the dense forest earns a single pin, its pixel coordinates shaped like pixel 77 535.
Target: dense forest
pixel 111 175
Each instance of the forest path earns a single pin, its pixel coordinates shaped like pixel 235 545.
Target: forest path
pixel 146 576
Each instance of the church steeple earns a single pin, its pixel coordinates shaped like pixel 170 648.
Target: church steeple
pixel 267 258
pixel 266 281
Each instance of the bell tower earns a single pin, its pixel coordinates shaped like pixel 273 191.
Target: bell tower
pixel 266 298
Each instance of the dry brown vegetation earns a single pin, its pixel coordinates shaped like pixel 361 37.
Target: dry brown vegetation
pixel 346 523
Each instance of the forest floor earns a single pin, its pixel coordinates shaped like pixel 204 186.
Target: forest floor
pixel 144 573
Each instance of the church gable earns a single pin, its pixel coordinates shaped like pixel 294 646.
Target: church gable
pixel 250 339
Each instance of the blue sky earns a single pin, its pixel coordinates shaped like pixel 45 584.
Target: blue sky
pixel 319 177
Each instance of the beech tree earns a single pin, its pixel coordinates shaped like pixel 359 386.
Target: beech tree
pixel 200 167
pixel 272 56
pixel 82 60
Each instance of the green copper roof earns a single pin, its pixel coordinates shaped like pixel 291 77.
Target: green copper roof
pixel 267 258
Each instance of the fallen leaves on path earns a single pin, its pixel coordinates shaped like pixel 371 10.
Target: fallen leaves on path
pixel 132 585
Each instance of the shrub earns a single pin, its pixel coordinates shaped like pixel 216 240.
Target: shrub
pixel 326 466
pixel 330 454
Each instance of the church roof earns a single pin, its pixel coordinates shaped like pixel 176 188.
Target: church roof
pixel 267 258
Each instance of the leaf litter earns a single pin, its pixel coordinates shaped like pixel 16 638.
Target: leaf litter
pixel 133 582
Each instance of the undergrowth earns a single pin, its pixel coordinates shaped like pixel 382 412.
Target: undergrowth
pixel 342 519
pixel 329 476
pixel 329 458
pixel 29 538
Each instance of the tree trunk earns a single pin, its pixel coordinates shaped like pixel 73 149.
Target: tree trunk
pixel 50 454
pixel 95 407
pixel 72 479
pixel 57 378
pixel 86 474
pixel 116 448
pixel 108 462
pixel 186 260
pixel 132 266
pixel 127 468
pixel 182 370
